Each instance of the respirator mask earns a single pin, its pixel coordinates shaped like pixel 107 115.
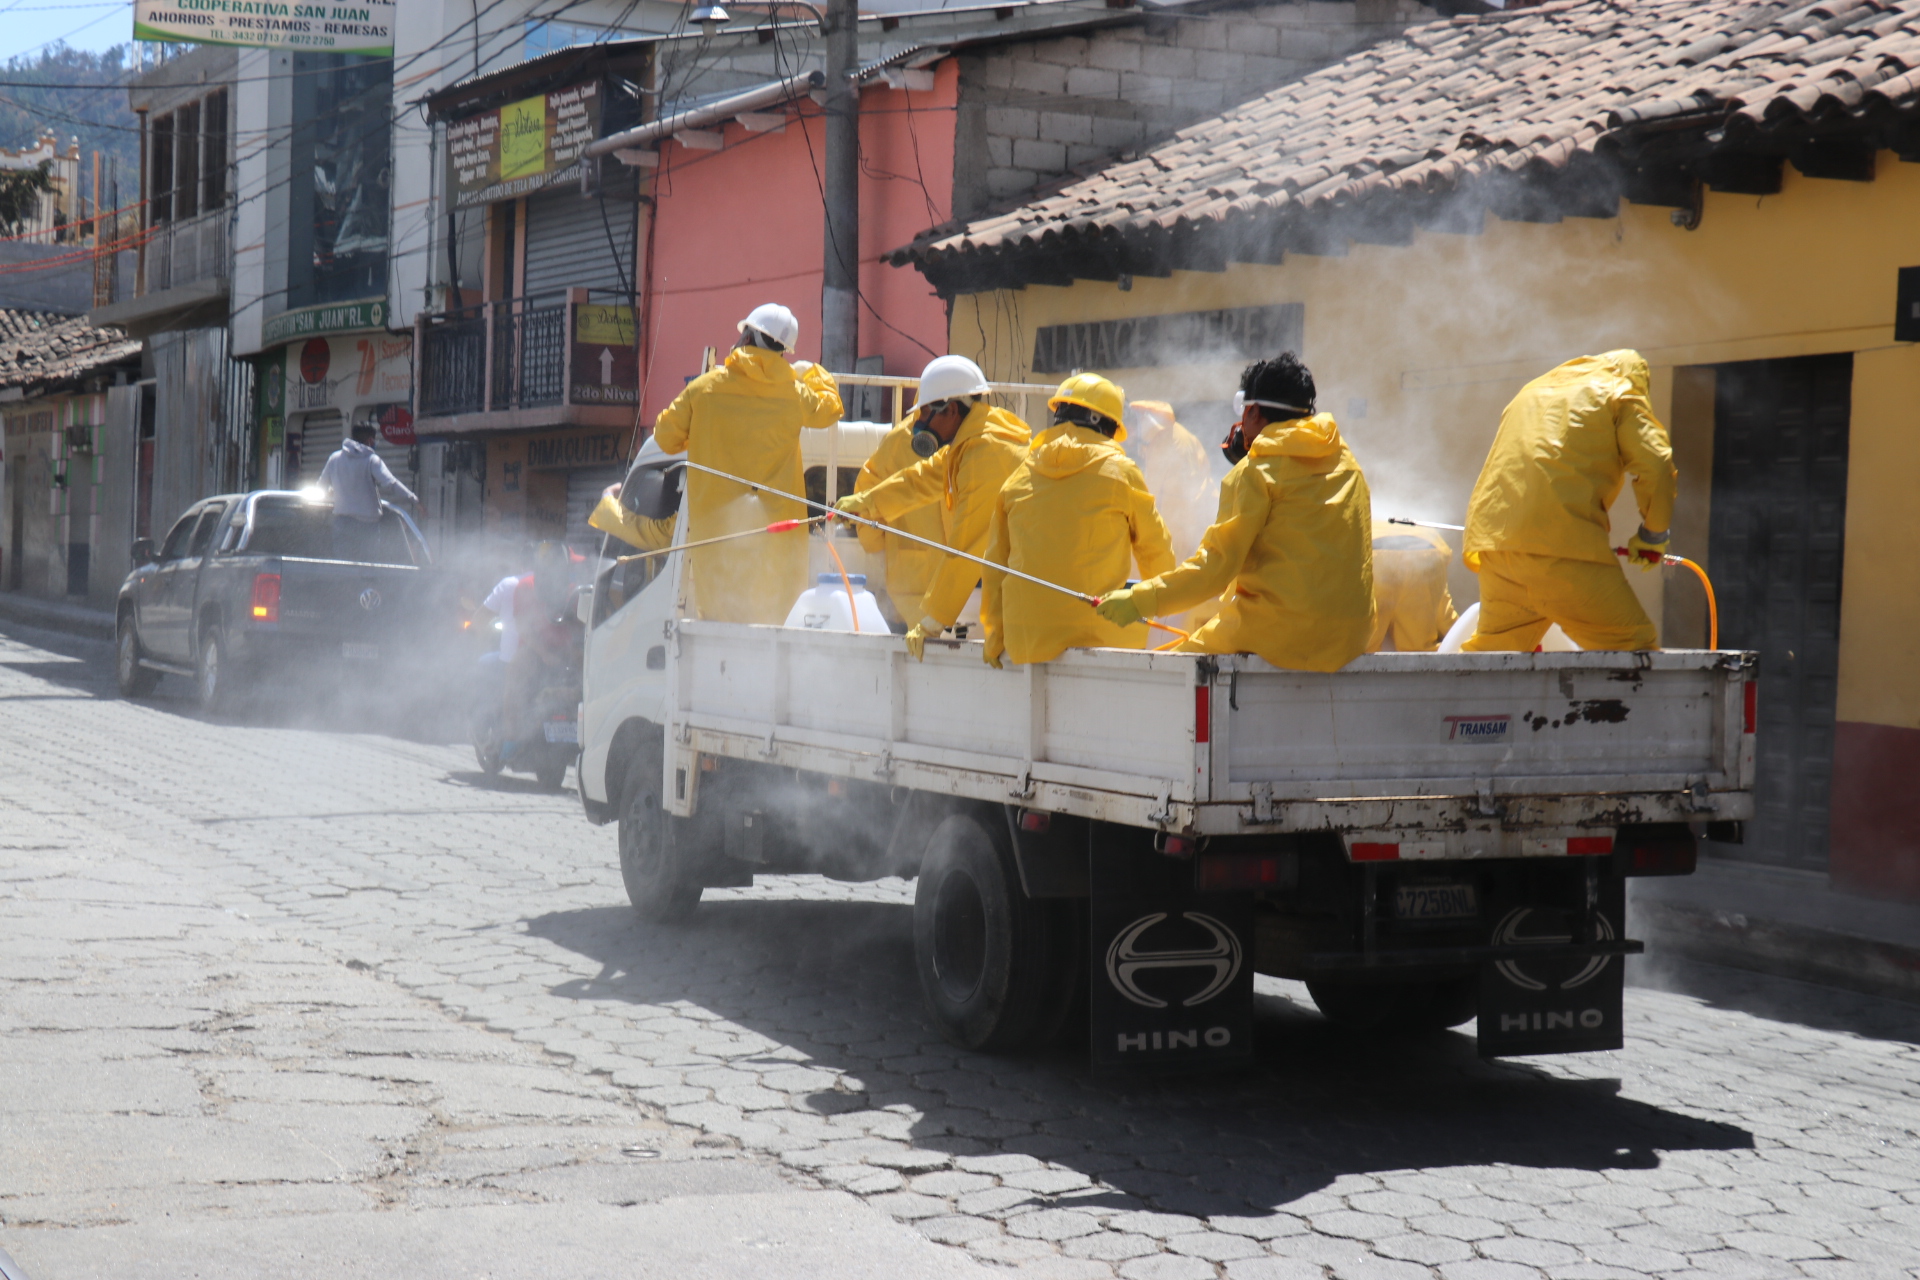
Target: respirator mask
pixel 925 441
pixel 1235 445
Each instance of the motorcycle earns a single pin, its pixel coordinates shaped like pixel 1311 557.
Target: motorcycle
pixel 548 739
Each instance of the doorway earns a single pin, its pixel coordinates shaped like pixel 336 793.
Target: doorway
pixel 1775 546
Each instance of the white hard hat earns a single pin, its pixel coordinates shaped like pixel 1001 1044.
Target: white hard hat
pixel 946 377
pixel 775 321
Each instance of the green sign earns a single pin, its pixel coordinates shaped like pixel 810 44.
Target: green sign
pixel 328 317
pixel 519 148
pixel 317 26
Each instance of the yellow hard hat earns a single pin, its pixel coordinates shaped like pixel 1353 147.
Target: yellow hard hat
pixel 1091 391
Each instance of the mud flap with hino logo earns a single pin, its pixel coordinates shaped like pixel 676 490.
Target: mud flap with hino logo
pixel 1170 969
pixel 1562 1004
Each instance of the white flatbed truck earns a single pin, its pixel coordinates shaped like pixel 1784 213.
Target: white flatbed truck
pixel 1113 843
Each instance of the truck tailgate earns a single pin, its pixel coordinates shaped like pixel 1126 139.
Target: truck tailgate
pixel 1474 754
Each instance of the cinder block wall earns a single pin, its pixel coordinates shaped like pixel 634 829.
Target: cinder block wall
pixel 1035 110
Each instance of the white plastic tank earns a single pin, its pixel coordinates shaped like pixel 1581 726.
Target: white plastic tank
pixel 825 607
pixel 1555 641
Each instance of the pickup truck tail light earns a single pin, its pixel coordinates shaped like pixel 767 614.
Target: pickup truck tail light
pixel 266 597
pixel 1657 849
pixel 1751 714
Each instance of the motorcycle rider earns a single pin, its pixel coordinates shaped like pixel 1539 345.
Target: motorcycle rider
pixel 534 638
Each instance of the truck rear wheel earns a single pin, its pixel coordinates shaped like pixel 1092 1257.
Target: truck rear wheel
pixel 1423 1005
pixel 999 970
pixel 650 857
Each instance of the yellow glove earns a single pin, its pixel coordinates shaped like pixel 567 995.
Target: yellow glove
pixel 996 646
pixel 1118 608
pixel 1645 552
pixel 854 504
pixel 917 637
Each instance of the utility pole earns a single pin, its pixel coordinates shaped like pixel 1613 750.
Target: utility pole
pixel 839 295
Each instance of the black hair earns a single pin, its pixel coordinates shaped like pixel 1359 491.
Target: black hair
pixel 362 431
pixel 753 337
pixel 1081 416
pixel 1283 380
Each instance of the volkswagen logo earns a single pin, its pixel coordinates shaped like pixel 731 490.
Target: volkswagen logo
pixel 1519 926
pixel 370 599
pixel 1218 962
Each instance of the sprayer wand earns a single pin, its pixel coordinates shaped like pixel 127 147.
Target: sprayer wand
pixel 1427 524
pixel 914 537
pixel 778 526
pixel 1713 604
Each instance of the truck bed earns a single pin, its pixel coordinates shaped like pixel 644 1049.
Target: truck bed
pixel 1422 755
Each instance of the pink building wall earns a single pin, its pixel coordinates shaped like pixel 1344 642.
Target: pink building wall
pixel 744 225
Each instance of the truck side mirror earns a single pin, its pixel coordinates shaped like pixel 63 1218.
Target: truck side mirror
pixel 143 552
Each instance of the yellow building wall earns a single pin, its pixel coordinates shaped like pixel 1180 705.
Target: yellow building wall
pixel 1437 336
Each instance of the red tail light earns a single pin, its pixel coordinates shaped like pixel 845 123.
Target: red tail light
pixel 1658 849
pixel 266 597
pixel 1752 716
pixel 1218 873
pixel 1035 820
pixel 1202 713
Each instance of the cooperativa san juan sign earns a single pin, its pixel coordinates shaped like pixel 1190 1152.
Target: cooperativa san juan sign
pixel 323 26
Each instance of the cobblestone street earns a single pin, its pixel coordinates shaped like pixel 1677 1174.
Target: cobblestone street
pixel 480 1021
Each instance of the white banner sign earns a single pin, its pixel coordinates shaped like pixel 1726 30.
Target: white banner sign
pixel 323 26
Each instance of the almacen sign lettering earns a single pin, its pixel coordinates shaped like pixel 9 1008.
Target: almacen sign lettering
pixel 521 147
pixel 323 26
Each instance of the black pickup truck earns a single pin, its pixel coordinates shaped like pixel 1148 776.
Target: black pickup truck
pixel 247 591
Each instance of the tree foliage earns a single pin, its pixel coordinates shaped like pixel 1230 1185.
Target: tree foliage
pixel 19 194
pixel 97 113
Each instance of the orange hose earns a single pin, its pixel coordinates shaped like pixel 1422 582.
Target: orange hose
pixel 853 606
pixel 1713 604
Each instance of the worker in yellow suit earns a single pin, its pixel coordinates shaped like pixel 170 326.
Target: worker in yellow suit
pixel 909 564
pixel 1410 596
pixel 1076 512
pixel 967 449
pixel 745 418
pixel 1537 528
pixel 1292 547
pixel 1178 471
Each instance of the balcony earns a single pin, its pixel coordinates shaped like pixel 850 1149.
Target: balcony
pixel 563 358
pixel 181 267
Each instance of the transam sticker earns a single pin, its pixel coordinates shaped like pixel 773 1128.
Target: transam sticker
pixel 1479 730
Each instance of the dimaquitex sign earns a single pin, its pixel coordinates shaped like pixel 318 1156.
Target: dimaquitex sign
pixel 324 26
pixel 1172 971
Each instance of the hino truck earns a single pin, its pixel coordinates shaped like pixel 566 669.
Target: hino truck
pixel 1112 844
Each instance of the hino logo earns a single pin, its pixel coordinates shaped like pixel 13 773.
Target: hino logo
pixel 1146 1041
pixel 370 599
pixel 1560 1020
pixel 1480 729
pixel 1219 961
pixel 1513 929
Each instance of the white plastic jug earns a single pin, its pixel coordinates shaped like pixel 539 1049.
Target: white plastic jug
pixel 1555 641
pixel 825 607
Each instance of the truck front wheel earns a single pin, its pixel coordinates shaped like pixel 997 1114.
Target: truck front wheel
pixel 998 969
pixel 650 861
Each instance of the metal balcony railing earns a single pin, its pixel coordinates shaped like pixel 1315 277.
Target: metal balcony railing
pixel 184 252
pixel 516 353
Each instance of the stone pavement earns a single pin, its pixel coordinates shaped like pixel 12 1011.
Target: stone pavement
pixel 487 1022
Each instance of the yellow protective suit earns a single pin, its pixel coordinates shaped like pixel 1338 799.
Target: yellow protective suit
pixel 1076 512
pixel 1410 595
pixel 1565 446
pixel 910 565
pixel 960 483
pixel 1178 470
pixel 638 532
pixel 1292 551
pixel 745 419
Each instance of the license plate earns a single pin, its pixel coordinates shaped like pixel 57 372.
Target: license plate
pixel 563 731
pixel 360 652
pixel 1435 902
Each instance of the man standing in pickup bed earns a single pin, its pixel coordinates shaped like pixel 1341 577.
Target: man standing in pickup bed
pixel 356 478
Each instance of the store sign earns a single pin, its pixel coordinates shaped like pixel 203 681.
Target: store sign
pixel 396 424
pixel 521 147
pixel 566 450
pixel 341 373
pixel 317 26
pixel 328 317
pixel 606 355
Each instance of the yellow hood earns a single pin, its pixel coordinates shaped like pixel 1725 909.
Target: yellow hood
pixel 1624 363
pixel 1315 437
pixel 1061 451
pixel 769 368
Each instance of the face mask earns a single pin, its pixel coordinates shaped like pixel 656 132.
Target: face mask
pixel 1235 445
pixel 925 442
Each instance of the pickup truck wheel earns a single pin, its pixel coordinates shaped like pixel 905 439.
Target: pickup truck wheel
pixel 213 674
pixel 650 855
pixel 135 681
pixel 996 967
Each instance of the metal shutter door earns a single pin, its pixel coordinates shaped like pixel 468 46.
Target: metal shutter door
pixel 320 437
pixel 584 487
pixel 567 240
